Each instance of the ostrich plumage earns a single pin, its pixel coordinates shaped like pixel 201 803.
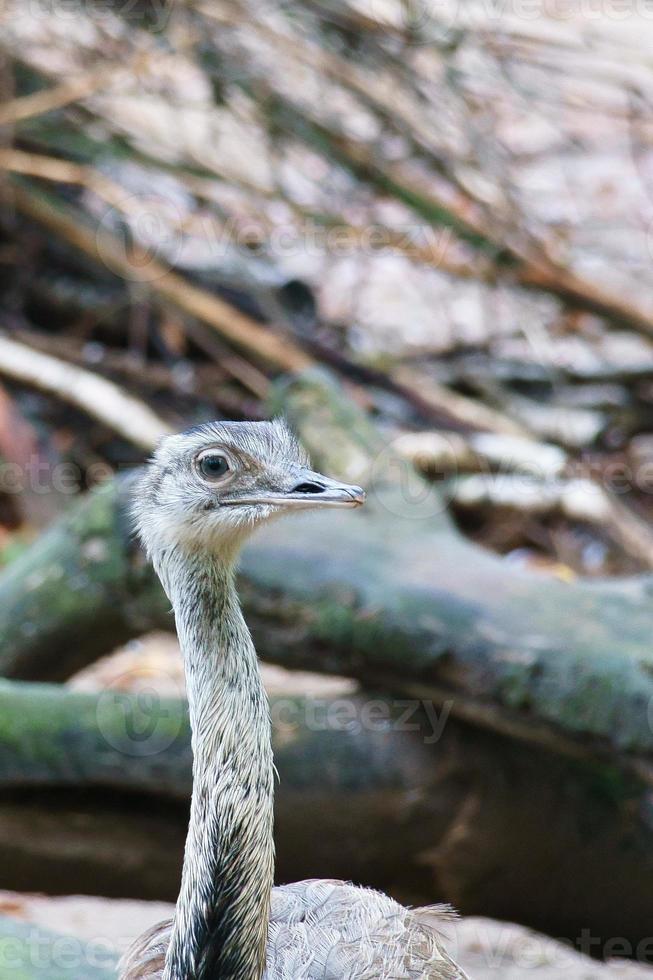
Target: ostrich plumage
pixel 200 497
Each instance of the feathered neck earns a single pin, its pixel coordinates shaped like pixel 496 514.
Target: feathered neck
pixel 222 913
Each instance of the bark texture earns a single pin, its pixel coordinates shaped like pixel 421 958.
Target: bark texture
pixel 94 793
pixel 392 595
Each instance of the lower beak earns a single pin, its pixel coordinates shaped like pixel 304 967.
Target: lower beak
pixel 309 490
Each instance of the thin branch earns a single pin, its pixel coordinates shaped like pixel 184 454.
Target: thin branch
pixel 534 271
pixel 577 500
pixel 94 394
pixel 73 90
pixel 437 452
pixel 467 412
pixel 67 172
pixel 137 265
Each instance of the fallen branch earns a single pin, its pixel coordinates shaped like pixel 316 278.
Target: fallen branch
pixel 59 96
pixel 577 500
pixel 137 265
pixel 511 252
pixel 467 412
pixel 67 172
pixel 534 271
pixel 155 375
pixel 572 427
pixel 387 790
pixel 337 791
pixel 477 452
pixel 93 394
pixel 392 596
pixel 425 394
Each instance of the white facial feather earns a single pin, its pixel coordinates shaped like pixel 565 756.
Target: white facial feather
pixel 174 507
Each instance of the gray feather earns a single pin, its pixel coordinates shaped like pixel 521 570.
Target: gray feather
pixel 331 930
pixel 193 526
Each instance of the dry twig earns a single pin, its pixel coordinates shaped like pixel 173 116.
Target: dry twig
pixel 72 90
pixel 96 396
pixel 466 412
pixel 136 265
pixel 578 500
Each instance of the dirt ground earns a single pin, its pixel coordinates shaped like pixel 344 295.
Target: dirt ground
pixel 487 950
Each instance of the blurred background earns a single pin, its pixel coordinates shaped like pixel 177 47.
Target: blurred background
pixel 424 232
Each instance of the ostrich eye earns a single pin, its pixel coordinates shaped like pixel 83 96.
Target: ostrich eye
pixel 213 466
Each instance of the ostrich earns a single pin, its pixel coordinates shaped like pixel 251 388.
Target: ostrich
pixel 202 494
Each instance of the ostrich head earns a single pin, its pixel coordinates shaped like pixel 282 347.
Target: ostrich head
pixel 209 487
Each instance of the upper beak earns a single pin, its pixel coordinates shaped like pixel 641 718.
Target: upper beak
pixel 309 489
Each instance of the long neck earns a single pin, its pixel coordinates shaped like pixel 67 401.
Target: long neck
pixel 221 918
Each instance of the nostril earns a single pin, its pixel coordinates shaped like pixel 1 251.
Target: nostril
pixel 308 488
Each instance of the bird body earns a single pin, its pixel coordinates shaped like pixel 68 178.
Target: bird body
pixel 332 930
pixel 203 493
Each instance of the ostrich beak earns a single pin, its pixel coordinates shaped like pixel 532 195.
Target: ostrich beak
pixel 308 489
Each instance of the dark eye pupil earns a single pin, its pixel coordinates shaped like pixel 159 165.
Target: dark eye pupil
pixel 213 466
